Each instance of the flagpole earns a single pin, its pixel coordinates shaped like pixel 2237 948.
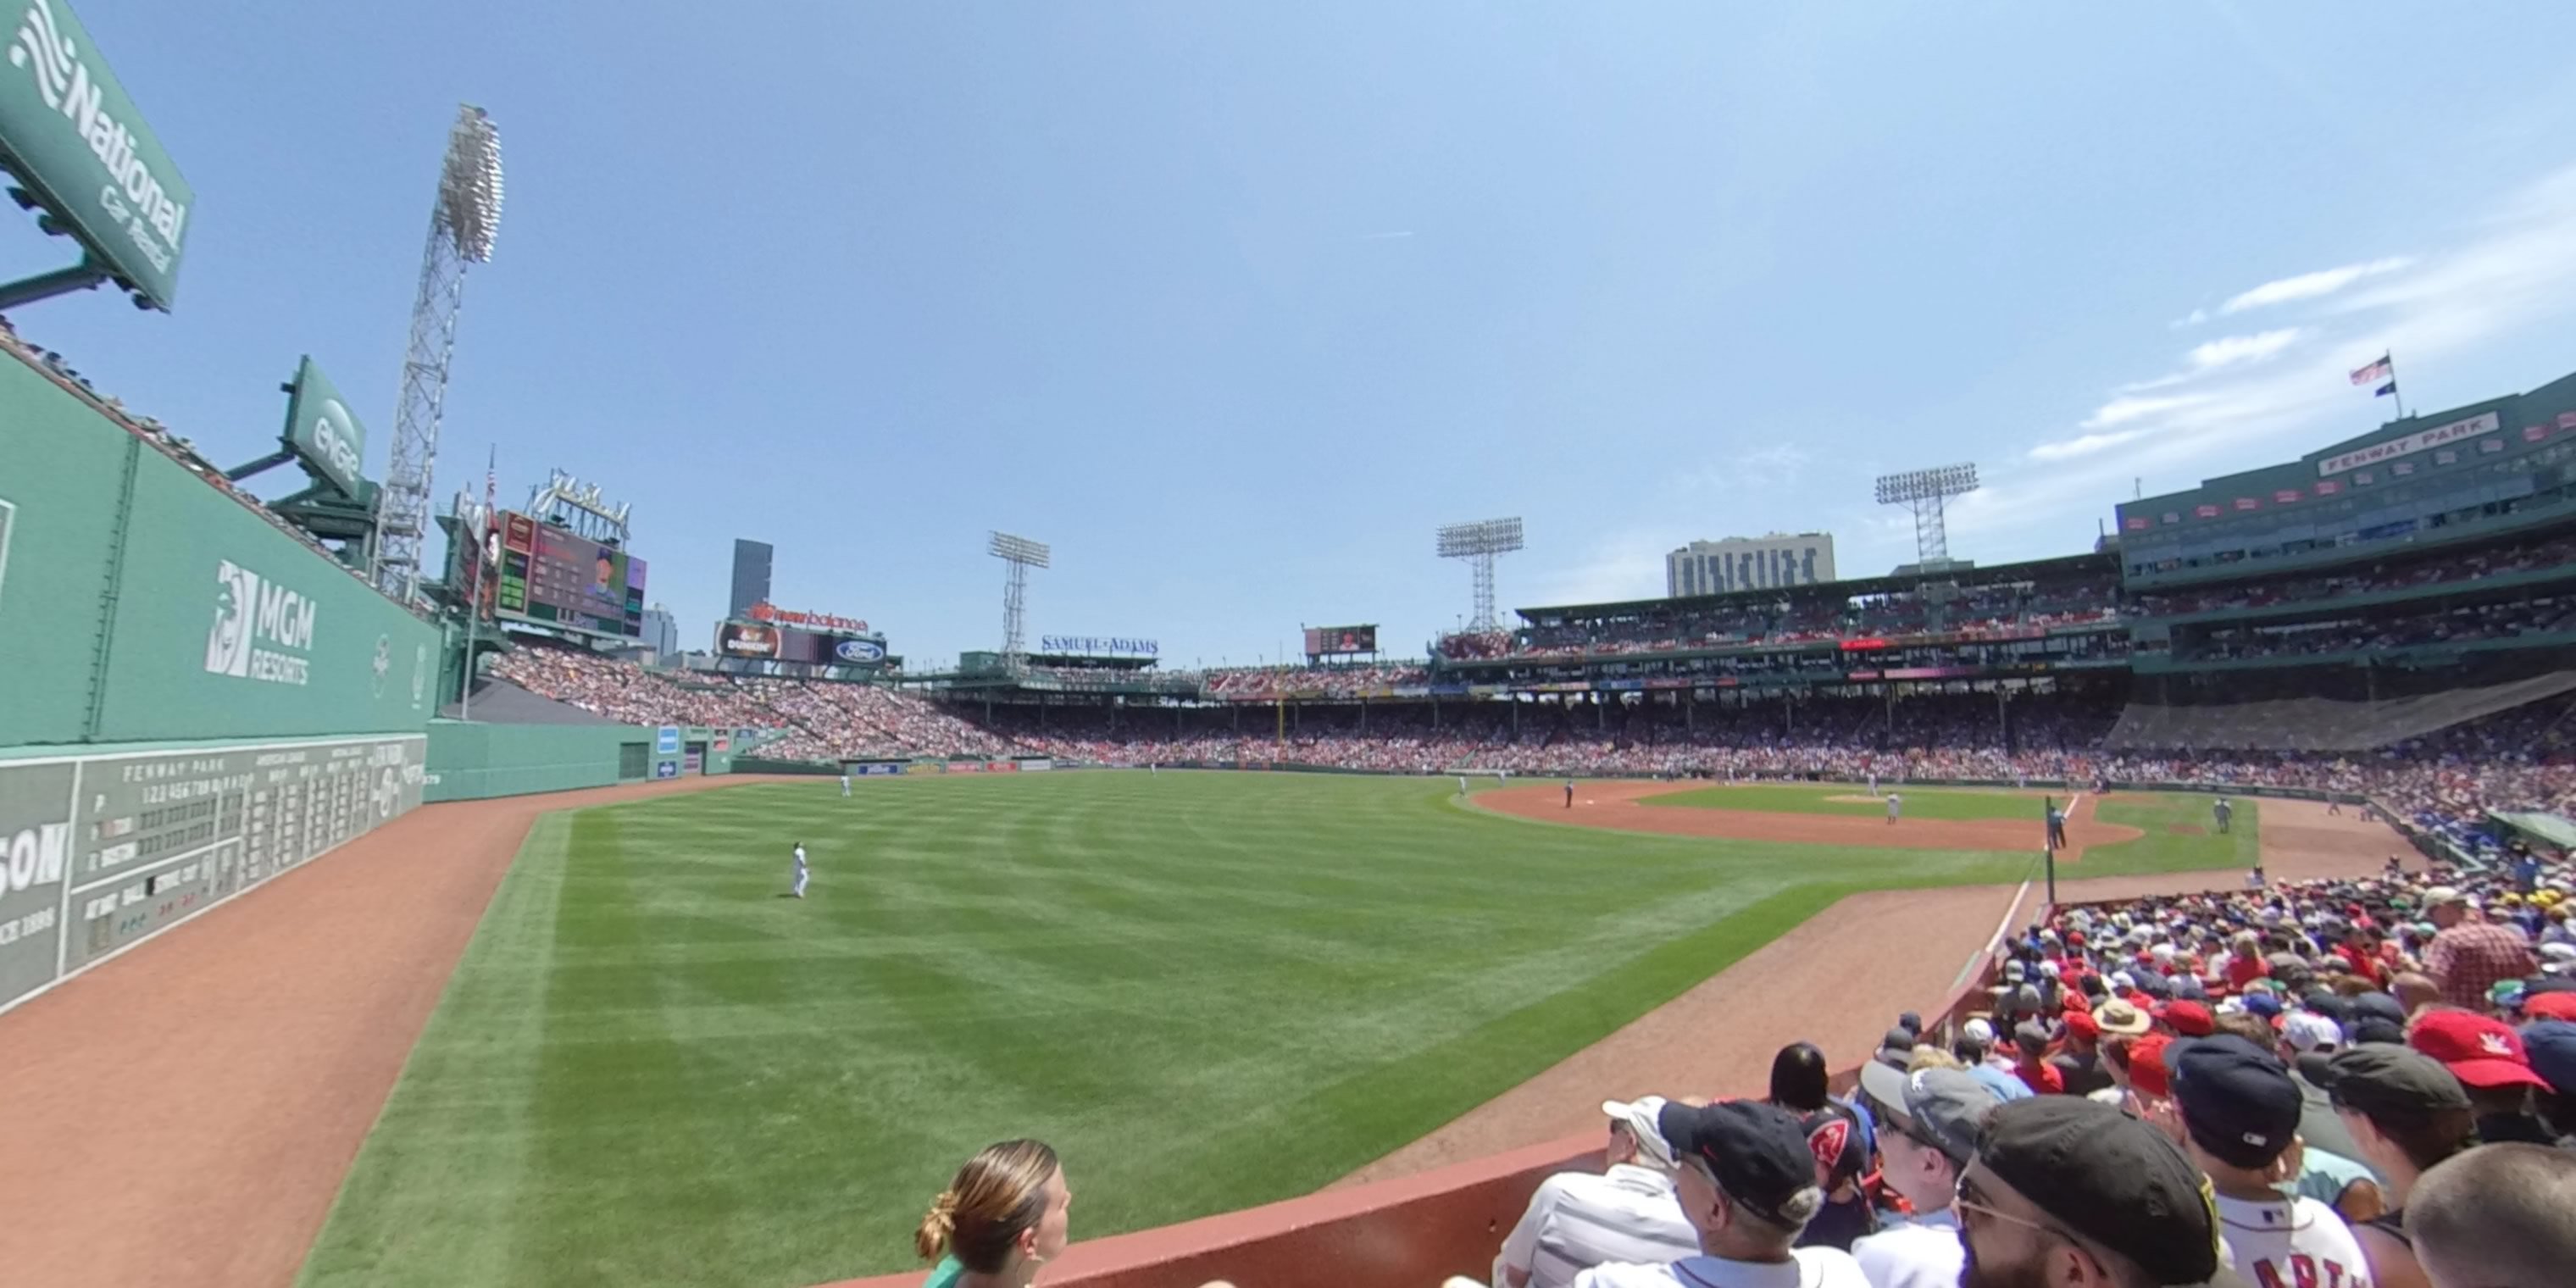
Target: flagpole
pixel 2393 390
pixel 474 596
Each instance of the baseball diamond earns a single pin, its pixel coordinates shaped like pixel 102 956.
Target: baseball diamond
pixel 407 885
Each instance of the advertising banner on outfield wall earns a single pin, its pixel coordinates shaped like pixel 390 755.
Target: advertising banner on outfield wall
pixel 79 144
pixel 154 839
pixel 35 853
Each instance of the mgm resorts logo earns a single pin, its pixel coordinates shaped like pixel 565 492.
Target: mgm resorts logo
pixel 263 631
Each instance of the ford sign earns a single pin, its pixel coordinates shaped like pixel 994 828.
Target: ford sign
pixel 859 651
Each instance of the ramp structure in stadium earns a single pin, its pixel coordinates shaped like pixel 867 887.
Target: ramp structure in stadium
pixel 2311 723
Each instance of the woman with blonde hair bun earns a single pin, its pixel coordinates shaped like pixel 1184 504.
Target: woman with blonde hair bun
pixel 999 1221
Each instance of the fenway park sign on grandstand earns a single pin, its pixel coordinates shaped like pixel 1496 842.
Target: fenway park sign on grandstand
pixel 766 612
pixel 2409 444
pixel 74 139
pixel 1111 645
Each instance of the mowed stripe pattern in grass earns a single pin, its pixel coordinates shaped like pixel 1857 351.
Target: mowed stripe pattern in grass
pixel 1208 990
pixel 1963 804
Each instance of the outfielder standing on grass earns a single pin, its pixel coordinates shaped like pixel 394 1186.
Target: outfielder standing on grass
pixel 802 873
pixel 2222 811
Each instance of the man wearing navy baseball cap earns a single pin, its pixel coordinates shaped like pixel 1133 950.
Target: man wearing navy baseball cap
pixel 2239 1113
pixel 1747 1184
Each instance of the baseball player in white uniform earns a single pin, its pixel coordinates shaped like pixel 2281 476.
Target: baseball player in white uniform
pixel 1462 787
pixel 1894 803
pixel 803 873
pixel 845 782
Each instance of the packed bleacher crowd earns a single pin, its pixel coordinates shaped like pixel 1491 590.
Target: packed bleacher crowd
pixel 2317 1085
pixel 1805 616
pixel 1258 683
pixel 2450 568
pixel 2445 784
pixel 2380 633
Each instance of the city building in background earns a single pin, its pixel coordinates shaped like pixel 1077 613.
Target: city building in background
pixel 661 631
pixel 1776 559
pixel 750 576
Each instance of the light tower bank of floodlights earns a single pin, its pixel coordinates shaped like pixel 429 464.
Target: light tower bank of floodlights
pixel 1927 493
pixel 1478 543
pixel 1021 554
pixel 462 222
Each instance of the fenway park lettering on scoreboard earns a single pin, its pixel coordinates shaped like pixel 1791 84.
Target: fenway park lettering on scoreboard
pixel 2409 444
pixel 263 628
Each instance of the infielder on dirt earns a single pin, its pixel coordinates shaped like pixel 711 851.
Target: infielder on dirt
pixel 1569 793
pixel 803 874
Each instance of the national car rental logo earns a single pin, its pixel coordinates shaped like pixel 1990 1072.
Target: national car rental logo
pixel 43 50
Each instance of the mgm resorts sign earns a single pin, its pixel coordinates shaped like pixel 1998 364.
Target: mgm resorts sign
pixel 263 629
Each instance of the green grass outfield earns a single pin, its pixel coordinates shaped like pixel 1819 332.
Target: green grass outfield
pixel 1208 990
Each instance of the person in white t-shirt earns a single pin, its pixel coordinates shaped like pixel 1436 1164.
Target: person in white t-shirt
pixel 2238 1112
pixel 1747 1184
pixel 1928 1125
pixel 1578 1220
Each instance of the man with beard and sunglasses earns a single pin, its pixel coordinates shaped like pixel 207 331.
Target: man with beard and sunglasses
pixel 2069 1193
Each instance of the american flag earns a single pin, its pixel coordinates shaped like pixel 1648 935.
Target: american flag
pixel 2375 372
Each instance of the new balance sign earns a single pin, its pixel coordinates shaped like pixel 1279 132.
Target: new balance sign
pixel 263 629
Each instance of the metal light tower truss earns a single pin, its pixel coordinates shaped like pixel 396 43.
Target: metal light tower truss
pixel 1478 543
pixel 462 222
pixel 1927 494
pixel 1021 554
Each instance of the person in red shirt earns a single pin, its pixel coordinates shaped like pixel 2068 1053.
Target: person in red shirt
pixel 2030 1061
pixel 2360 954
pixel 2245 962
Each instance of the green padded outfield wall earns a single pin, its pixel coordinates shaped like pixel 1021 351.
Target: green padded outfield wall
pixel 473 761
pixel 139 602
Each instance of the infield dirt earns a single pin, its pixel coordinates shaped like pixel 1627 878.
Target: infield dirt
pixel 1620 806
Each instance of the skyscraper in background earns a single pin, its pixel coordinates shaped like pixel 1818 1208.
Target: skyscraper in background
pixel 661 632
pixel 750 575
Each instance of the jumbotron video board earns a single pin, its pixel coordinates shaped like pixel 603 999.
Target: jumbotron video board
pixel 1330 641
pixel 552 577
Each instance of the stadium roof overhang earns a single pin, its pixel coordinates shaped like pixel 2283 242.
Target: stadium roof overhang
pixel 1994 574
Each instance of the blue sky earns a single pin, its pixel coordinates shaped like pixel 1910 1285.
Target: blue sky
pixel 1234 305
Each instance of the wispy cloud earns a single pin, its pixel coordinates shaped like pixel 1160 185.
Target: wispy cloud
pixel 2310 286
pixel 1625 565
pixel 1386 236
pixel 2258 397
pixel 2238 350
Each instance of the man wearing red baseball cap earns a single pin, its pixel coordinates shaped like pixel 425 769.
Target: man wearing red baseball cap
pixel 2486 1055
pixel 2079 1064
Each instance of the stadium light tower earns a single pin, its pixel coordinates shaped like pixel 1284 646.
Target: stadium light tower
pixel 1021 554
pixel 1478 543
pixel 462 222
pixel 1927 494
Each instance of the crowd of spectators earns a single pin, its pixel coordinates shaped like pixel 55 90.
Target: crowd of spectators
pixel 1312 681
pixel 2447 568
pixel 2318 1084
pixel 2468 623
pixel 2444 784
pixel 1805 616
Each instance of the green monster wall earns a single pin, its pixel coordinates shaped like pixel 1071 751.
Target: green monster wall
pixel 140 602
